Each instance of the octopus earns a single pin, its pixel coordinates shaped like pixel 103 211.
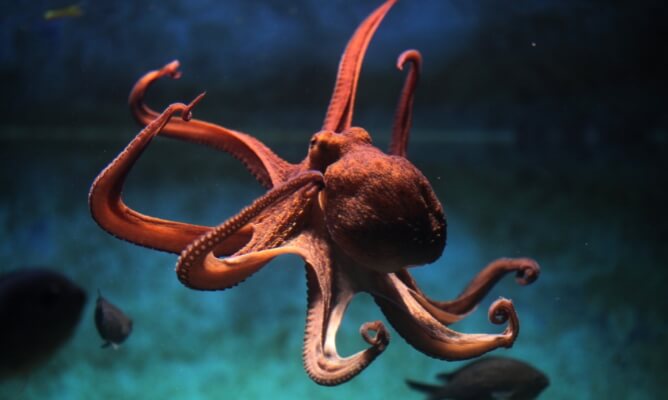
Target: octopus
pixel 357 216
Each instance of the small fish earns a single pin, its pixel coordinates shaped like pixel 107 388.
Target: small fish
pixel 112 324
pixel 72 11
pixel 39 311
pixel 488 378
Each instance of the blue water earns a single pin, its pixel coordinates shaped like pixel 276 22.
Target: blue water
pixel 594 322
pixel 541 125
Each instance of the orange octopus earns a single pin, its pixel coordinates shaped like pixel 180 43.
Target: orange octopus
pixel 357 216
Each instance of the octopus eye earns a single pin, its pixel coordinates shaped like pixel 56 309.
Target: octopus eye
pixel 313 142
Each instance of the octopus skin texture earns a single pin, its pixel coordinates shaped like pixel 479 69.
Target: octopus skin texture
pixel 357 216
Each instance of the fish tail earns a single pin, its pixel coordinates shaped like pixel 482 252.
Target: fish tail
pixel 446 376
pixel 423 387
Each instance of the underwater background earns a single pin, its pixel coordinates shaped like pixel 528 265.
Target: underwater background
pixel 542 126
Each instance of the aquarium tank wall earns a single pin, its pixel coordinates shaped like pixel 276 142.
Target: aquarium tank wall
pixel 541 127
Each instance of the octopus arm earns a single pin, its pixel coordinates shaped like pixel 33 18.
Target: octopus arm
pixel 403 117
pixel 340 111
pixel 449 312
pixel 267 167
pixel 328 299
pixel 113 215
pixel 424 332
pixel 198 266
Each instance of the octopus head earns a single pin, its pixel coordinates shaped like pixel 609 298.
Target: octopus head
pixel 378 208
pixel 326 147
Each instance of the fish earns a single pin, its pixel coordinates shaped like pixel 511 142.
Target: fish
pixel 39 311
pixel 71 11
pixel 488 378
pixel 112 324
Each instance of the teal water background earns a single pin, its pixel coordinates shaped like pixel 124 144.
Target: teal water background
pixel 541 125
pixel 594 321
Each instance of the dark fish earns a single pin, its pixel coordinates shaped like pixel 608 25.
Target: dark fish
pixel 112 324
pixel 487 378
pixel 39 310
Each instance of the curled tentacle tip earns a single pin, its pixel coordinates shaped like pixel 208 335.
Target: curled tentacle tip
pixel 527 273
pixel 409 55
pixel 381 337
pixel 187 114
pixel 172 70
pixel 501 310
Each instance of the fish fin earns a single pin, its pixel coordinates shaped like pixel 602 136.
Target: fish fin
pixel 446 376
pixel 115 346
pixel 503 394
pixel 105 345
pixel 422 387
